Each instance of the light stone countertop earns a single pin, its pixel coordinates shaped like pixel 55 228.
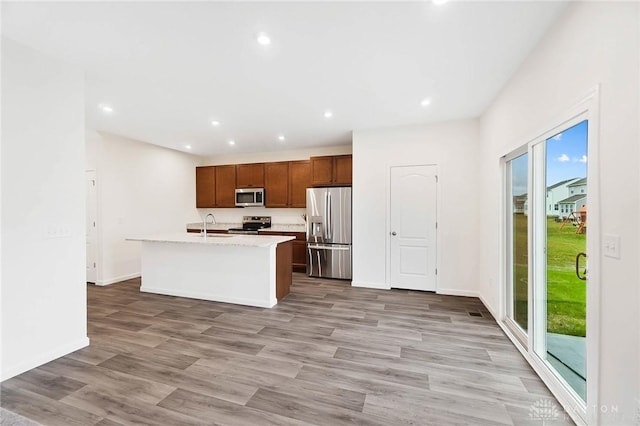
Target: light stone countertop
pixel 215 239
pixel 276 227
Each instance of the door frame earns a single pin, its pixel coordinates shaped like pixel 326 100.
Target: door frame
pixel 388 219
pixel 94 174
pixel 506 260
pixel 587 412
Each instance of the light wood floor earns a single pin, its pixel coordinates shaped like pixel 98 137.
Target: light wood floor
pixel 328 354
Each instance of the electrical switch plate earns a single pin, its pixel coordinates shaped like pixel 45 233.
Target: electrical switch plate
pixel 611 246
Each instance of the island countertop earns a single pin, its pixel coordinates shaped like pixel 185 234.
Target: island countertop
pixel 215 239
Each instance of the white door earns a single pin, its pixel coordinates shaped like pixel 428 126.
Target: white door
pixel 412 233
pixel 91 226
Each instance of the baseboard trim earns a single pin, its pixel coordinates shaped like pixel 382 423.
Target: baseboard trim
pixel 458 292
pixel 118 279
pixel 195 295
pixel 365 284
pixel 490 308
pixel 48 356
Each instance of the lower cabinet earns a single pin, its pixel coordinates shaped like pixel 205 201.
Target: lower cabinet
pixel 299 255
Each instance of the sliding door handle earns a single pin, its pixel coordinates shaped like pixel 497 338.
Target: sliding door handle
pixel 582 277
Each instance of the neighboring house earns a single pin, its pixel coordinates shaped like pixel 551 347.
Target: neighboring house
pixel 558 192
pixel 572 204
pixel 579 187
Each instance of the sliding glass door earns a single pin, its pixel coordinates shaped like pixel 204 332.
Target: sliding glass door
pixel 546 219
pixel 563 279
pixel 518 244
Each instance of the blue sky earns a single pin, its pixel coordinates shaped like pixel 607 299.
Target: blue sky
pixel 566 158
pixel 567 154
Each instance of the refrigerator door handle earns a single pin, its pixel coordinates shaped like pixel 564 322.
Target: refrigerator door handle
pixel 329 212
pixel 325 247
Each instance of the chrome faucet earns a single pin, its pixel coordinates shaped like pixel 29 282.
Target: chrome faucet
pixel 204 223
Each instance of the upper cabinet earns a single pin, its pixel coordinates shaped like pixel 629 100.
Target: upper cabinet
pixel 250 175
pixel 276 184
pixel 205 187
pixel 285 182
pixel 299 181
pixel 225 186
pixel 331 170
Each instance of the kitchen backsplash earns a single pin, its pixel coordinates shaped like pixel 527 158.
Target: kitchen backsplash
pixel 278 216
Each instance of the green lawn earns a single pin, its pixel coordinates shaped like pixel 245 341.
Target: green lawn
pixel 566 294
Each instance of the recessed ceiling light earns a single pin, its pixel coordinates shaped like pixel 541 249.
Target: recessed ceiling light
pixel 263 39
pixel 105 108
pixel 232 142
pixel 187 146
pixel 425 102
pixel 439 2
pixel 328 114
pixel 280 137
pixel 215 123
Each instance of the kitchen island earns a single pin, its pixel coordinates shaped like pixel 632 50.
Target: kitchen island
pixel 249 270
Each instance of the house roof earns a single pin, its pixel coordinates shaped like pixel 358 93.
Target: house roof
pixel 582 181
pixel 560 183
pixel 573 199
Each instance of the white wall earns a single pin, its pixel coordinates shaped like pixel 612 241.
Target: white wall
pixel 43 212
pixel 453 146
pixel 592 43
pixel 142 189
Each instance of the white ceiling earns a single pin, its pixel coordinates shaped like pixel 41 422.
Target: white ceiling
pixel 168 69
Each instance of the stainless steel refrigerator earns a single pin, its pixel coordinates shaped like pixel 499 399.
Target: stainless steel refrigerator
pixel 329 232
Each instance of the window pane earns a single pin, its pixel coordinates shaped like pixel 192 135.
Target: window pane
pixel 566 180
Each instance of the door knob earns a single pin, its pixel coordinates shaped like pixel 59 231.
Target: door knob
pixel 394 233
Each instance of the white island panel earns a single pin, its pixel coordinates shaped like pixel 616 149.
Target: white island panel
pixel 237 269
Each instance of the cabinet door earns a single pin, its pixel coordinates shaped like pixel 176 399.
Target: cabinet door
pixel 321 170
pixel 250 175
pixel 205 187
pixel 299 181
pixel 299 256
pixel 276 184
pixel 342 165
pixel 225 186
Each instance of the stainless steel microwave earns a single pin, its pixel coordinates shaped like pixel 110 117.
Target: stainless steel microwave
pixel 250 197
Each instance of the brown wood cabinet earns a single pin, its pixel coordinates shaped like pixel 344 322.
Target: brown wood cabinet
pixel 250 175
pixel 299 248
pixel 342 169
pixel 226 186
pixel 299 181
pixel 276 184
pixel 283 269
pixel 331 170
pixel 205 187
pixel 299 260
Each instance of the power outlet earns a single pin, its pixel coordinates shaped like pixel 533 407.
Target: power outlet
pixel 611 246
